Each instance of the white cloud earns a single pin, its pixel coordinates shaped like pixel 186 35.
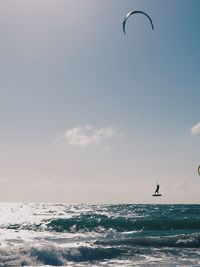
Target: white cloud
pixel 83 136
pixel 195 129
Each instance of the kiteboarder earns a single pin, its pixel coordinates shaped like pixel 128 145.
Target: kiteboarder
pixel 157 189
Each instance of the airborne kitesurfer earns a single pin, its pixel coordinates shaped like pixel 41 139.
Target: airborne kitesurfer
pixel 157 189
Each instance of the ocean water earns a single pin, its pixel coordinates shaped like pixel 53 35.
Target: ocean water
pixel 99 235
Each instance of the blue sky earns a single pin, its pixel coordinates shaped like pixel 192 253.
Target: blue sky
pixel 91 115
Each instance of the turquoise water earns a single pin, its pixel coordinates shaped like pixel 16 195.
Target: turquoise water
pixel 99 235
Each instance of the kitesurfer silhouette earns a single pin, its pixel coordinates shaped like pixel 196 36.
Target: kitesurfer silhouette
pixel 157 189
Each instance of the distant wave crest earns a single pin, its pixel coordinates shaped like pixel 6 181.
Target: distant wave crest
pixel 121 224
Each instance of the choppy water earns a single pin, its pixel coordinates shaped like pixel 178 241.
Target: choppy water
pixel 99 235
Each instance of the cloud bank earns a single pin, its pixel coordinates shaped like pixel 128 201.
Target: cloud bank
pixel 83 136
pixel 195 129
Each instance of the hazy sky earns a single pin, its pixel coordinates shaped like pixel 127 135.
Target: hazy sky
pixel 88 114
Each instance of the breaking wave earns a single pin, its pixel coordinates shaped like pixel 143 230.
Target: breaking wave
pixel 50 255
pixel 100 251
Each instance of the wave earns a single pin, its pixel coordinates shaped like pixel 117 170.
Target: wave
pixel 101 251
pixel 177 241
pixel 50 255
pixel 99 223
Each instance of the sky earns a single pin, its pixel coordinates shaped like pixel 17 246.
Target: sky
pixel 90 115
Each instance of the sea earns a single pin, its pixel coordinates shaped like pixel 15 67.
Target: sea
pixel 99 235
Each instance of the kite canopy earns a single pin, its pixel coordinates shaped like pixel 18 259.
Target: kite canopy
pixel 199 170
pixel 135 12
